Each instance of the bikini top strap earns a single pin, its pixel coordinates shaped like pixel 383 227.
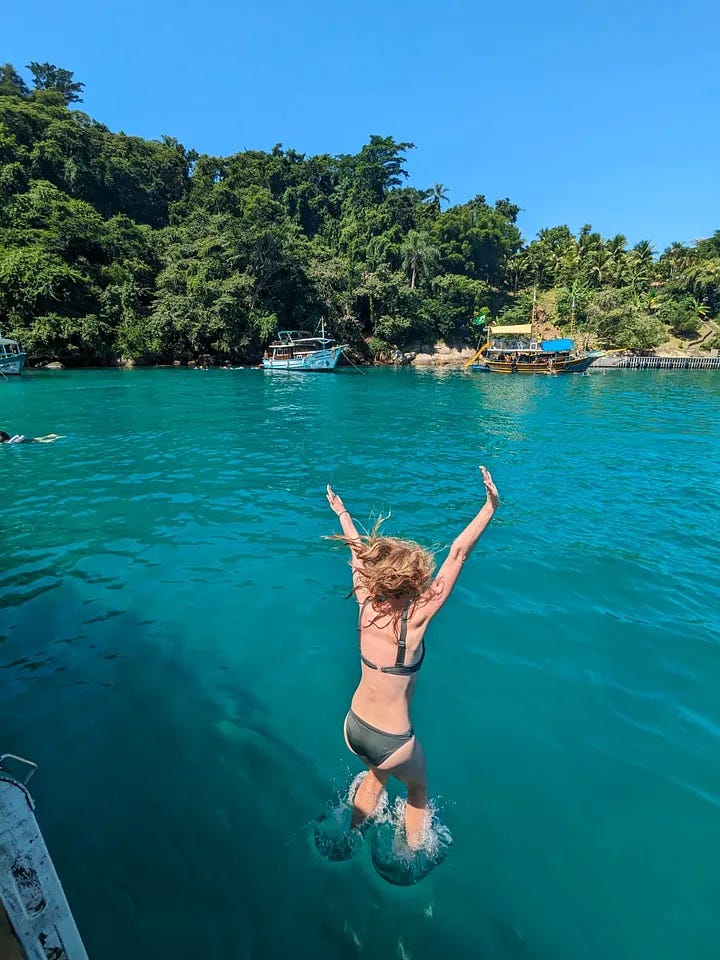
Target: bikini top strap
pixel 400 658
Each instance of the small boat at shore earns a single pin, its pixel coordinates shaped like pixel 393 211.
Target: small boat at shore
pixel 12 357
pixel 302 351
pixel 35 919
pixel 514 349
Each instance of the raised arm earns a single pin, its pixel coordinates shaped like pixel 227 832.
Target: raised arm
pixel 461 548
pixel 351 536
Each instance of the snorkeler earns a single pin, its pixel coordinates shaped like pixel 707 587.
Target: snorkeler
pixel 20 438
pixel 397 596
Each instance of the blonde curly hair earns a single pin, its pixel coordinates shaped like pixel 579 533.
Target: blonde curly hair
pixel 391 567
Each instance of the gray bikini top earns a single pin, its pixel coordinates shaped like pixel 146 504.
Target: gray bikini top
pixel 398 668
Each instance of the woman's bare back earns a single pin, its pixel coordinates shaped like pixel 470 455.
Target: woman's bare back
pixel 383 699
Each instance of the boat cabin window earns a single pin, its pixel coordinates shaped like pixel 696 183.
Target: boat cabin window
pixel 8 347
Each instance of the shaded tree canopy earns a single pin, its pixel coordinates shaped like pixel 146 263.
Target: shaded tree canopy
pixel 113 245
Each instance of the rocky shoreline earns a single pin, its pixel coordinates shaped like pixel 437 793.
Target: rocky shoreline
pixel 423 356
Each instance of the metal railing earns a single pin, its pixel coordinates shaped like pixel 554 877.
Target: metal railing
pixel 656 363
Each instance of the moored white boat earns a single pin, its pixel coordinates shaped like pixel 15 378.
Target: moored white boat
pixel 12 357
pixel 35 919
pixel 303 352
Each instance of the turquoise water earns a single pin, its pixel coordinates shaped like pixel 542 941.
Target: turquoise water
pixel 177 655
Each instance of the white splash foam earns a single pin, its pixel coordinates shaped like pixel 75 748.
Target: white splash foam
pixel 380 811
pixel 434 837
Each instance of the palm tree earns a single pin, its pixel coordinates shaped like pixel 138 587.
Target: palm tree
pixel 439 193
pixel 566 265
pixel 616 246
pixel 644 253
pixel 677 259
pixel 704 280
pixel 588 242
pixel 599 264
pixel 615 249
pixel 419 255
pixel 637 276
pixel 517 268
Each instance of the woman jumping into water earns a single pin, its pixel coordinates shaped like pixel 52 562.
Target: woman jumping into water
pixel 397 595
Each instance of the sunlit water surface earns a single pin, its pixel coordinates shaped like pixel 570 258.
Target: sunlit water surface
pixel 177 655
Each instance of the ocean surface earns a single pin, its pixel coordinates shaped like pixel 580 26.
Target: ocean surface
pixel 177 655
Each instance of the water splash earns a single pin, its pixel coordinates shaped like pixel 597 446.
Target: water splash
pixel 399 863
pixel 335 837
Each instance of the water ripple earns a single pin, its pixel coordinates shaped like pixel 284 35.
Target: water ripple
pixel 173 625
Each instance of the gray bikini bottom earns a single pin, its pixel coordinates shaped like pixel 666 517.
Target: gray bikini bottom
pixel 372 744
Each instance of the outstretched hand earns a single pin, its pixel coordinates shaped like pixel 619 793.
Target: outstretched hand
pixel 336 504
pixel 493 498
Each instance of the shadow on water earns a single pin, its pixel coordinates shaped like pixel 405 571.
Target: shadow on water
pixel 178 811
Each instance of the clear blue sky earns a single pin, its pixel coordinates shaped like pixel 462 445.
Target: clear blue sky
pixel 605 113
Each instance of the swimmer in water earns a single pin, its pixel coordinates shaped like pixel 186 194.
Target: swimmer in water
pixel 19 438
pixel 398 596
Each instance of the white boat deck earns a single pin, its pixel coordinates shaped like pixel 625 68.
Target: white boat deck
pixel 35 919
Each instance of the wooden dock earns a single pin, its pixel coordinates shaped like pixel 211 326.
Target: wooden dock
pixel 615 362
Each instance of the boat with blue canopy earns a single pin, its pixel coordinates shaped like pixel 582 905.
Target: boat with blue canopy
pixel 512 348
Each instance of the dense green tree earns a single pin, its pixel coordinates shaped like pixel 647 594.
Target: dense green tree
pixel 618 320
pixel 682 316
pixel 11 83
pixel 367 178
pixel 507 209
pixel 46 76
pixel 113 245
pixel 476 240
pixel 455 301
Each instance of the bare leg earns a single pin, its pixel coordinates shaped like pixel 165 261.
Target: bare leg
pixel 367 795
pixel 416 814
pixel 408 765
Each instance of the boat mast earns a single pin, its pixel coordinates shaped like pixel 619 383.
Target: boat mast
pixel 533 315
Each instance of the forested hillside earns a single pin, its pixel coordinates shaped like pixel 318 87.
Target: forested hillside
pixel 114 246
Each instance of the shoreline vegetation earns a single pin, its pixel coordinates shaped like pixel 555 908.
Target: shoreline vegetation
pixel 115 250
